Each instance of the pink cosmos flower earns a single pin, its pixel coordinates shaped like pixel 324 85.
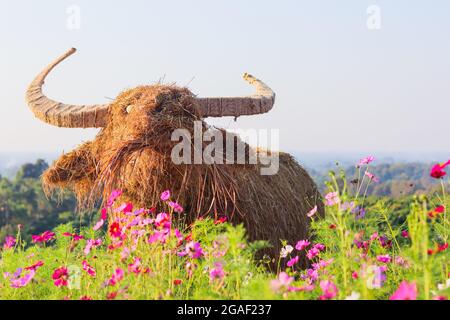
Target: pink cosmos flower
pixel 355 275
pixel 104 214
pixel 115 230
pixel 319 246
pixel 372 177
pixel 332 198
pixel 329 290
pixel 112 198
pixel 217 273
pixel 347 206
pixel 92 243
pixel 22 281
pixel 46 236
pixel 405 234
pixel 160 236
pixel 292 261
pixel 60 277
pixel 311 213
pixel 282 283
pixel 135 267
pixel 193 250
pixel 384 258
pixel 437 171
pixel 312 253
pixel 165 195
pixel 406 291
pixel 125 208
pixel 116 277
pixel 366 161
pixel 124 253
pixel 10 242
pixel 74 236
pixel 35 266
pixel 176 207
pixel 302 244
pixel 89 269
pixel 163 221
pixel 98 225
pixel 322 264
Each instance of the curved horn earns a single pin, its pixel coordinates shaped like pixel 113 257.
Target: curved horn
pixel 61 114
pixel 262 101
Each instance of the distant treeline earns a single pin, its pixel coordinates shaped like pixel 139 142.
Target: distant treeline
pixel 23 202
pixel 395 180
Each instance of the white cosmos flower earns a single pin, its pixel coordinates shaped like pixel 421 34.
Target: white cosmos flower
pixel 286 251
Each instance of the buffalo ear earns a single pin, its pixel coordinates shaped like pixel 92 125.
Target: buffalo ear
pixel 71 168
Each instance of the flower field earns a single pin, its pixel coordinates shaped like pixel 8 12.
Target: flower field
pixel 359 250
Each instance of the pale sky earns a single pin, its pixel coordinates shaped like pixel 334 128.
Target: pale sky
pixel 340 86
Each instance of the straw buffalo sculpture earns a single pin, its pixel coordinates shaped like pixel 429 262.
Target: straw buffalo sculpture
pixel 132 152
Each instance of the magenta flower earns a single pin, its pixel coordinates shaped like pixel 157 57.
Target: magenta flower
pixel 322 264
pixel 135 267
pixel 112 198
pixel 176 207
pixel 282 283
pixel 60 277
pixel 437 171
pixel 160 236
pixel 332 199
pixel 10 242
pixel 17 280
pixel 406 291
pixel 312 253
pixel 292 261
pixel 384 258
pixel 405 234
pixel 311 213
pixel 35 266
pixel 366 161
pixel 89 269
pixel 91 243
pixel 217 272
pixel 372 177
pixel 98 225
pixel 116 277
pixel 163 221
pixel 165 195
pixel 302 244
pixel 74 236
pixel 319 246
pixel 193 250
pixel 329 290
pixel 46 236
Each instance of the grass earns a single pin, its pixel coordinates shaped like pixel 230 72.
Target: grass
pixel 357 251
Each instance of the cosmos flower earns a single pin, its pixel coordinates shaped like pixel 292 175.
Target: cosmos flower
pixel 292 261
pixel 311 213
pixel 437 171
pixel 193 250
pixel 372 177
pixel 176 207
pixel 329 290
pixel 88 268
pixel 10 242
pixel 405 234
pixel 281 283
pixel 302 244
pixel 312 253
pixel 406 291
pixel 115 230
pixel 332 199
pixel 116 277
pixel 46 236
pixel 74 236
pixel 286 250
pixel 91 243
pixel 217 273
pixel 165 195
pixel 135 267
pixel 436 212
pixel 60 277
pixel 366 161
pixel 384 258
pixel 112 198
